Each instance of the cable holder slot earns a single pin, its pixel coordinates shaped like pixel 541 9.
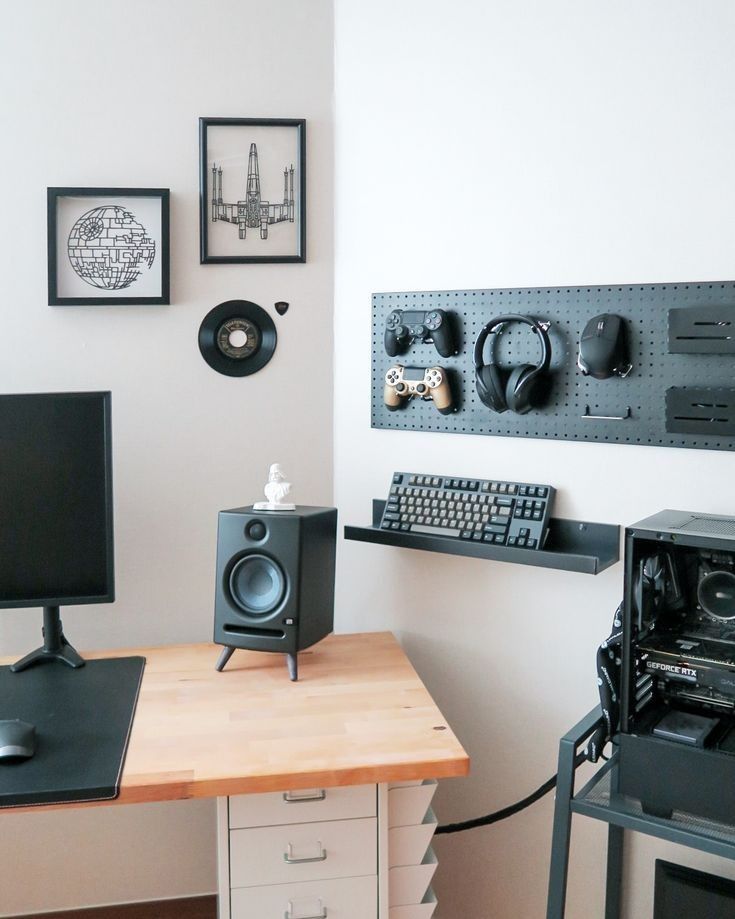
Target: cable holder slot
pixel 706 410
pixel 702 330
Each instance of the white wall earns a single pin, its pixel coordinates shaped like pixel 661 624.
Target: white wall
pixel 519 144
pixel 99 94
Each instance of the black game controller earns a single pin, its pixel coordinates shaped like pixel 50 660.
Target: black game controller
pixel 404 327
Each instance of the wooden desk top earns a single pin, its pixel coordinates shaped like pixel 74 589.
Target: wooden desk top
pixel 359 714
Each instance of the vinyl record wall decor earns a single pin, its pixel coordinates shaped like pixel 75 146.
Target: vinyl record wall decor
pixel 108 246
pixel 237 338
pixel 252 190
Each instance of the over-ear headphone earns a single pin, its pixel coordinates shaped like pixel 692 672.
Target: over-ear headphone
pixel 519 388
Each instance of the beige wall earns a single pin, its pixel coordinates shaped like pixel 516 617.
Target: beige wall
pixel 103 94
pixel 519 144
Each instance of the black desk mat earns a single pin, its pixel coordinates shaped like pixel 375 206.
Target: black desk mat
pixel 83 720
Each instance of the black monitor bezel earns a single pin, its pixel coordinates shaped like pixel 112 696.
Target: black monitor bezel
pixel 669 874
pixel 109 596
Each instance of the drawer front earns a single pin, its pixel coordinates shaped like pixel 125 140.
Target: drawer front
pixel 303 806
pixel 408 805
pixel 344 898
pixel 407 845
pixel 423 910
pixel 303 852
pixel 410 883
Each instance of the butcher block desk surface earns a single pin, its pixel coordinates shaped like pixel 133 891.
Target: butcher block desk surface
pixel 359 714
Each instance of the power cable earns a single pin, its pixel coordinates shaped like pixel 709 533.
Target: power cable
pixel 512 809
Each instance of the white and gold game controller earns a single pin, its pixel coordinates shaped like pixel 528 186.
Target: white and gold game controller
pixel 402 383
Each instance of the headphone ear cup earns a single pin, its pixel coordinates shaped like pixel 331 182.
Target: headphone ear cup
pixel 520 388
pixel 490 387
pixel 527 388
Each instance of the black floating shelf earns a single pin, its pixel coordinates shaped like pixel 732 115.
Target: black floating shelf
pixel 572 545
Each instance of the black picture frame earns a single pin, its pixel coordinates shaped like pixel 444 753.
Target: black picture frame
pixel 277 212
pixel 56 296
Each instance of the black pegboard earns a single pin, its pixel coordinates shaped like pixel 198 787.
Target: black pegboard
pixel 641 396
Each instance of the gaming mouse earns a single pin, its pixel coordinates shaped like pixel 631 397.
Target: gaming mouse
pixel 17 741
pixel 603 349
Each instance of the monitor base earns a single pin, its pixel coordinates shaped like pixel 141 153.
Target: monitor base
pixel 55 646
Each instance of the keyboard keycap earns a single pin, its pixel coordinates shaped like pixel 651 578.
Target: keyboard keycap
pixel 435 531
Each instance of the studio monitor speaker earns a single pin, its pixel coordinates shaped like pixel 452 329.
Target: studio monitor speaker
pixel 275 580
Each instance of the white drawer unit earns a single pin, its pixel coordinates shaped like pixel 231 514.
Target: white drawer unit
pixel 354 852
pixel 342 898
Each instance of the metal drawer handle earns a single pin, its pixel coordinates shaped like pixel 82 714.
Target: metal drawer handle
pixel 289 912
pixel 292 797
pixel 290 860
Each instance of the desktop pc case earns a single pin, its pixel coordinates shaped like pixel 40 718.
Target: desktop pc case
pixel 677 727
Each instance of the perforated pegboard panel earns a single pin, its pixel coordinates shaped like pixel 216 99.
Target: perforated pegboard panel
pixel 645 308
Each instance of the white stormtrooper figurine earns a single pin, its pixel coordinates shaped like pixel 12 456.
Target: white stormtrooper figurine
pixel 276 489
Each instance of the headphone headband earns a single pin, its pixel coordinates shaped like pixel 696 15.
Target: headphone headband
pixel 494 327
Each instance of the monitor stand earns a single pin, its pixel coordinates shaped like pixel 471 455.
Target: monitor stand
pixel 55 646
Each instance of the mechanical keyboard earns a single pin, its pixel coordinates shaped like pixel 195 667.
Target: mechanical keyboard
pixel 483 510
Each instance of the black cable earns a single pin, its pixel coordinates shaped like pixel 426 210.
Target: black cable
pixel 511 809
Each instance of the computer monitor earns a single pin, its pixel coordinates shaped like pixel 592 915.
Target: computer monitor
pixel 56 536
pixel 682 891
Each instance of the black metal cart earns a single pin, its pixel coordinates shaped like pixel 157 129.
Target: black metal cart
pixel 600 799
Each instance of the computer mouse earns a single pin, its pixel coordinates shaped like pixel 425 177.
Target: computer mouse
pixel 603 349
pixel 17 741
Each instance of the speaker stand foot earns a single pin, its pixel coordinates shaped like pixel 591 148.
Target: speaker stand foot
pixel 293 666
pixel 226 654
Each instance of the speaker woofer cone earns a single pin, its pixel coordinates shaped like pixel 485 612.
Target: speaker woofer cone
pixel 257 585
pixel 716 595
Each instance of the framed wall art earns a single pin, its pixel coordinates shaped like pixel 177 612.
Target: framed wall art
pixel 108 245
pixel 252 189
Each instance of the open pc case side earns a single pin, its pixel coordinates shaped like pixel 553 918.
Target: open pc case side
pixel 677 730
